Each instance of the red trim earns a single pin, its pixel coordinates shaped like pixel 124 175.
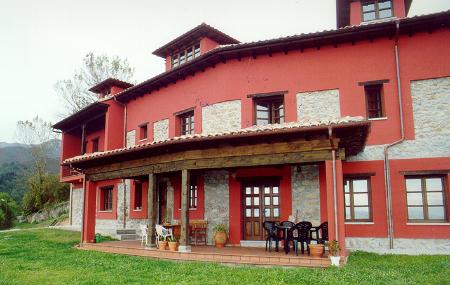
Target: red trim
pixel 109 215
pixel 340 203
pixel 138 214
pixel 235 196
pixel 89 212
pixel 195 214
pixel 378 193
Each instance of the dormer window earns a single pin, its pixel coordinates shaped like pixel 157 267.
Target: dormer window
pixel 106 92
pixel 376 9
pixel 185 55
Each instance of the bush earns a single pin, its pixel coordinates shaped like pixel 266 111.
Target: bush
pixel 44 191
pixel 8 210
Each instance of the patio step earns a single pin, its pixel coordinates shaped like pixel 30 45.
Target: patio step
pixel 254 243
pixel 128 237
pixel 125 231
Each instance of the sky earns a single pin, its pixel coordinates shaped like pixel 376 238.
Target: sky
pixel 44 41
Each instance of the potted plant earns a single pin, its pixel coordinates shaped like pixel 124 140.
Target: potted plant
pixel 334 250
pixel 220 235
pixel 162 243
pixel 316 250
pixel 173 244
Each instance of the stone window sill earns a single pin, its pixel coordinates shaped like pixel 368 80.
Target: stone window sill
pixel 378 119
pixel 359 223
pixel 110 211
pixel 428 224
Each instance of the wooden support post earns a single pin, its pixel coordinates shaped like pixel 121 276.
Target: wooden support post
pixel 184 238
pixel 151 205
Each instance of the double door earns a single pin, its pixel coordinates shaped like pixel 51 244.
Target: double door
pixel 261 202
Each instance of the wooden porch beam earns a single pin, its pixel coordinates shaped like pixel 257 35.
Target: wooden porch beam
pixel 219 152
pixel 184 238
pixel 219 163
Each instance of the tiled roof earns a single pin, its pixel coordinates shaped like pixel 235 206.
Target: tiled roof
pixel 271 128
pixel 284 44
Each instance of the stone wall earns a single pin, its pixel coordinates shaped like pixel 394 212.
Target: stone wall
pixel 431 112
pixel 216 200
pixel 161 130
pixel 318 105
pixel 306 194
pixel 221 117
pixel 131 138
pixel 401 245
pixel 77 207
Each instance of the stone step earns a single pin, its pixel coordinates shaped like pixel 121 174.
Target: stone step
pixel 125 231
pixel 128 237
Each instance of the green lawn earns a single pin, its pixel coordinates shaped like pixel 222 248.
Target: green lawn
pixel 44 256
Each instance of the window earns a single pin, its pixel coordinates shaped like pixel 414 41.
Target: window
pixel 185 55
pixel 376 9
pixel 106 195
pixel 425 198
pixel 95 145
pixel 193 192
pixel 269 110
pixel 138 196
pixel 187 123
pixel 357 198
pixel 374 101
pixel 143 131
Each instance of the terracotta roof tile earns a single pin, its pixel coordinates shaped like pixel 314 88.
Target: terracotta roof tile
pixel 304 124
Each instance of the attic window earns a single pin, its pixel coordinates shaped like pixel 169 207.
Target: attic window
pixel 106 92
pixel 376 9
pixel 185 55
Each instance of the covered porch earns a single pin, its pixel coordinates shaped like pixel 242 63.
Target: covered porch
pixel 227 255
pixel 258 157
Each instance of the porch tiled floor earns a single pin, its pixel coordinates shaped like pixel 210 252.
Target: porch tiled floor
pixel 230 255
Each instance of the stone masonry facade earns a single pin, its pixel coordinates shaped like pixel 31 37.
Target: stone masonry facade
pixel 161 130
pixel 131 138
pixel 431 106
pixel 318 105
pixel 306 194
pixel 221 117
pixel 216 200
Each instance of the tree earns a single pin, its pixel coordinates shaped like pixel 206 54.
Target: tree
pixel 8 210
pixel 74 92
pixel 38 135
pixel 44 189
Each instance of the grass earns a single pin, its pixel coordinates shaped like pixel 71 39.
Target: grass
pixel 48 256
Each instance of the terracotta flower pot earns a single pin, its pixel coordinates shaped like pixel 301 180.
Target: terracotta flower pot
pixel 316 250
pixel 162 245
pixel 220 239
pixel 173 245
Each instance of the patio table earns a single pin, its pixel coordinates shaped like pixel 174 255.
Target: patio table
pixel 285 230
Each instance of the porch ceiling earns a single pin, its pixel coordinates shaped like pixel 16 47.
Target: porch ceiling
pixel 290 143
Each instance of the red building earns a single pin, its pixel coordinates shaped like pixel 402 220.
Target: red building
pixel 348 126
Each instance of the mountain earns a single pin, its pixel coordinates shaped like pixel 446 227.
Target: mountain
pixel 15 162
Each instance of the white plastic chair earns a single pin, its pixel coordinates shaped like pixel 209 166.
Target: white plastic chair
pixel 162 232
pixel 144 234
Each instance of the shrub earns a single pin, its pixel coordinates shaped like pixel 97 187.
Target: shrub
pixel 8 210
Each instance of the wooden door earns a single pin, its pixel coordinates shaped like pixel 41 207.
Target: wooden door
pixel 162 202
pixel 261 202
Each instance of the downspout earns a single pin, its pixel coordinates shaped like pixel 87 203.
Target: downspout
pixel 333 154
pixel 387 171
pixel 124 144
